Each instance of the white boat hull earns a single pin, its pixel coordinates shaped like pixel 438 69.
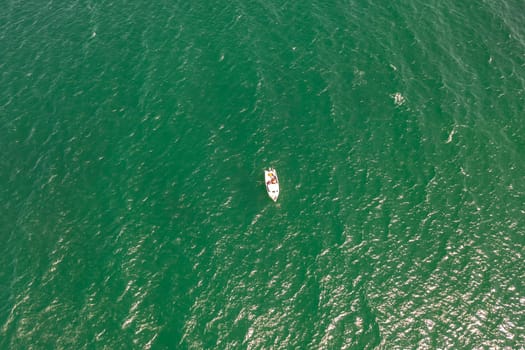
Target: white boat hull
pixel 272 183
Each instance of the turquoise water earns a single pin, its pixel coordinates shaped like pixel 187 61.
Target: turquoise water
pixel 134 138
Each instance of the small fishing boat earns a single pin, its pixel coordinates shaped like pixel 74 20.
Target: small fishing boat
pixel 272 183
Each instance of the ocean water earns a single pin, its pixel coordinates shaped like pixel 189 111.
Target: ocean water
pixel 134 135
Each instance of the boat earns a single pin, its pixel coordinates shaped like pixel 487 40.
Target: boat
pixel 272 183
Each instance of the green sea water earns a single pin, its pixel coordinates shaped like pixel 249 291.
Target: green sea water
pixel 134 135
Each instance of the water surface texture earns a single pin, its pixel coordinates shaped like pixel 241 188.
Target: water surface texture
pixel 134 135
